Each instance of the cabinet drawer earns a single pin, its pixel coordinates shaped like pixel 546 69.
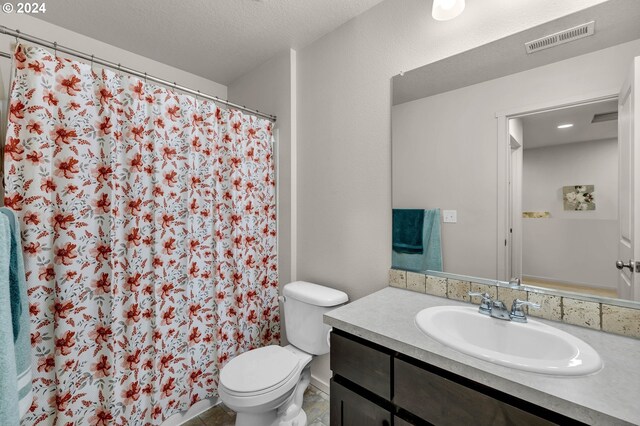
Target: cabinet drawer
pixel 347 408
pixel 441 401
pixel 361 364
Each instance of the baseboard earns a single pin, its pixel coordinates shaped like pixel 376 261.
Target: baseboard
pixel 193 412
pixel 320 384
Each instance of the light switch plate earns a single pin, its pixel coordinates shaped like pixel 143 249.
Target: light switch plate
pixel 450 216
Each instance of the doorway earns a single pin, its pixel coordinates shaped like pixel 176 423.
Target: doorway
pixel 563 198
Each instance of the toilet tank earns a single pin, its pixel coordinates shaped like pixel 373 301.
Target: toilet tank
pixel 304 305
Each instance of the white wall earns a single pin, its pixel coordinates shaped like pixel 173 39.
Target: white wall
pixel 571 246
pixel 438 162
pixel 62 36
pixel 344 152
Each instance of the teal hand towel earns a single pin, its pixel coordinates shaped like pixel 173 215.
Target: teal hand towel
pixel 9 413
pixel 19 314
pixel 432 234
pixel 431 257
pixel 408 231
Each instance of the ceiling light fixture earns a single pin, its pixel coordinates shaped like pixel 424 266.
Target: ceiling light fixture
pixel 443 10
pixel 565 126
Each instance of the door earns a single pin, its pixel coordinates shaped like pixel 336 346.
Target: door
pixel 629 187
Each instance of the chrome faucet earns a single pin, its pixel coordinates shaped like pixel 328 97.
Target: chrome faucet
pixel 517 313
pixel 485 304
pixel 497 308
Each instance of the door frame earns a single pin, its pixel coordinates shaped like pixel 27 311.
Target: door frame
pixel 504 240
pixel 514 234
pixel 629 286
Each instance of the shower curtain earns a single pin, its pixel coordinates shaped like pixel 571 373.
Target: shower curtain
pixel 149 230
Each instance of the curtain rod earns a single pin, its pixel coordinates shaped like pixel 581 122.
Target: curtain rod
pixel 58 48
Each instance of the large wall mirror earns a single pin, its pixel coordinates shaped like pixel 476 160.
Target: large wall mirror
pixel 521 162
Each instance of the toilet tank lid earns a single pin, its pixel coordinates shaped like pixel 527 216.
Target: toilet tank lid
pixel 315 294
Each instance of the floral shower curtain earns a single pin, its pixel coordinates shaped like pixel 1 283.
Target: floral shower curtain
pixel 149 230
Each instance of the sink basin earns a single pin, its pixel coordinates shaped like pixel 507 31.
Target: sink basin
pixel 531 346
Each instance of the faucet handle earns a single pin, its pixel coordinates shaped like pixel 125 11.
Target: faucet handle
pixel 515 282
pixel 485 304
pixel 517 303
pixel 517 314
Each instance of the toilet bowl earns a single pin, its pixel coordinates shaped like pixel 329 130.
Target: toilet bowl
pixel 257 383
pixel 265 386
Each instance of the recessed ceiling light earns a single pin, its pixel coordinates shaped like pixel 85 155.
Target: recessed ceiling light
pixel 565 126
pixel 443 10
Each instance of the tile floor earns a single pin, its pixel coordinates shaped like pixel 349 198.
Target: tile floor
pixel 315 404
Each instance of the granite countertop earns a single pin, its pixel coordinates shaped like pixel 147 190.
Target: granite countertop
pixel 609 397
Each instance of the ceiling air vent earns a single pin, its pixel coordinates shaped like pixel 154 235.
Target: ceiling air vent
pixel 561 37
pixel 606 116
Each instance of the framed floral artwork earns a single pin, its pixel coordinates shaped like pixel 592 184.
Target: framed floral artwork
pixel 579 197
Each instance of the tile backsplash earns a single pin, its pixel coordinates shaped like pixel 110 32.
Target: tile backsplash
pixel 599 316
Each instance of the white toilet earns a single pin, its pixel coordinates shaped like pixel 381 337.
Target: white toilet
pixel 265 386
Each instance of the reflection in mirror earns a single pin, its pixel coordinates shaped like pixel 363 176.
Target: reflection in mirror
pixel 416 240
pixel 503 191
pixel 564 198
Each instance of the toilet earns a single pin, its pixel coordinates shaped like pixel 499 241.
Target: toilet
pixel 265 386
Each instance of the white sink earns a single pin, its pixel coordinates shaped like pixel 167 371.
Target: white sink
pixel 531 346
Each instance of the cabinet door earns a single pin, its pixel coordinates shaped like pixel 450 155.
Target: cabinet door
pixel 347 408
pixel 443 402
pixel 361 364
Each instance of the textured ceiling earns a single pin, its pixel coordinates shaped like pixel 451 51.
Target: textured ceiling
pixel 542 129
pixel 216 39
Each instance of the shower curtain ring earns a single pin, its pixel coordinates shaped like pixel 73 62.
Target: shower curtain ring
pixel 17 36
pixel 55 49
pixel 91 62
pixel 145 77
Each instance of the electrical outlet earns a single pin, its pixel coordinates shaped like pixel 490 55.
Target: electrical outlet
pixel 450 216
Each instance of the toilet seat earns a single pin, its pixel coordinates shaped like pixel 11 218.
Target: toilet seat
pixel 272 389
pixel 259 371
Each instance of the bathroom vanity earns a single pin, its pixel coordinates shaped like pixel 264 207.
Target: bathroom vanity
pixel 386 372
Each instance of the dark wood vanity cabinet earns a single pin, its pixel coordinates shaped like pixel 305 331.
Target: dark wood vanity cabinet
pixel 373 385
pixel 349 408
